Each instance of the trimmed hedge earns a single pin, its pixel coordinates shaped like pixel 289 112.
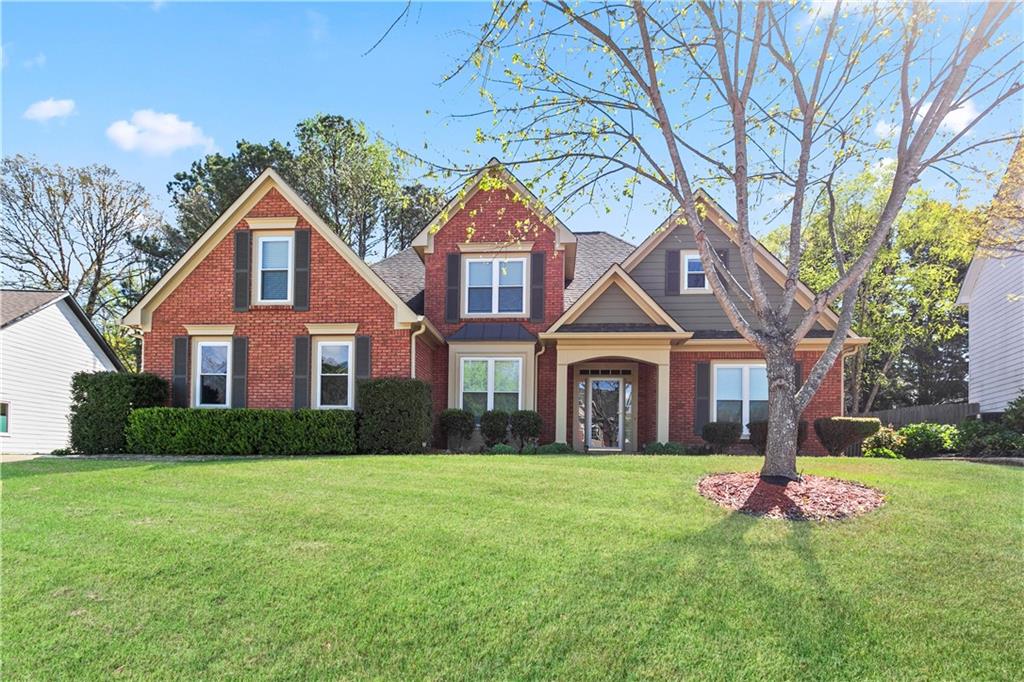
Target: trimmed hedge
pixel 494 427
pixel 194 431
pixel 101 403
pixel 553 449
pixel 525 427
pixel 721 435
pixel 666 448
pixel 501 449
pixel 395 415
pixel 456 425
pixel 839 433
pixel 759 435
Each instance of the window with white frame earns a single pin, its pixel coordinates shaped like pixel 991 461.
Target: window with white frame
pixel 5 416
pixel 213 374
pixel 274 269
pixel 740 393
pixel 334 375
pixel 693 273
pixel 495 286
pixel 491 384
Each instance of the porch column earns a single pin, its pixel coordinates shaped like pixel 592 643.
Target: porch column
pixel 663 401
pixel 561 398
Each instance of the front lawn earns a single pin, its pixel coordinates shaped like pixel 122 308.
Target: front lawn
pixel 501 567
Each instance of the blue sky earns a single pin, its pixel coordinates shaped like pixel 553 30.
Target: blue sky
pixel 155 86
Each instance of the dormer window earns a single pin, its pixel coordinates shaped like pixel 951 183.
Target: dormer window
pixel 495 286
pixel 274 269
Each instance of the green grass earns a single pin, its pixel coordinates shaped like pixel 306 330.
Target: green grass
pixel 501 567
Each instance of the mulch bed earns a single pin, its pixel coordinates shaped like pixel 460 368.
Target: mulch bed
pixel 814 498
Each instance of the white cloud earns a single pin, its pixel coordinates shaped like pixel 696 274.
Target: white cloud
pixel 885 129
pixel 46 109
pixel 158 134
pixel 958 119
pixel 39 61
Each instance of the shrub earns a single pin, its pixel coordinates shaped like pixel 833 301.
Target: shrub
pixel 457 426
pixel 193 431
pixel 101 403
pixel 988 439
pixel 721 435
pixel 1013 417
pixel 501 449
pixel 759 435
pixel 669 448
pixel 926 439
pixel 525 427
pixel 61 452
pixel 494 427
pixel 553 449
pixel 394 415
pixel 887 443
pixel 839 433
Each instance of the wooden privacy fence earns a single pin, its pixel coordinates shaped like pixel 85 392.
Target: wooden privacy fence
pixel 949 413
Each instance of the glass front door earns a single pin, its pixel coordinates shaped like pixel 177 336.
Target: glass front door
pixel 604 413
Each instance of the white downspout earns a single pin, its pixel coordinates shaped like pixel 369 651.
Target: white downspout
pixel 412 350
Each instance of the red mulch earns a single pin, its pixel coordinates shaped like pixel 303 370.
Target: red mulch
pixel 814 498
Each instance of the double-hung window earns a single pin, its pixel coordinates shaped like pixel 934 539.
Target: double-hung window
pixel 334 375
pixel 693 273
pixel 495 286
pixel 274 269
pixel 213 374
pixel 491 384
pixel 740 393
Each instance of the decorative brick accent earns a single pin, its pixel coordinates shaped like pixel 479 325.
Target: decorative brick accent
pixel 338 294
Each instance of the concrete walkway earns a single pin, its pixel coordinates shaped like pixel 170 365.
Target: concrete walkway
pixel 7 459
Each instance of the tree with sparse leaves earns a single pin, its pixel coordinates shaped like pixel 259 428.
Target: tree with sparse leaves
pixel 760 100
pixel 405 217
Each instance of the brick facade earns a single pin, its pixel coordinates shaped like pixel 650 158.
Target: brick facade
pixel 338 294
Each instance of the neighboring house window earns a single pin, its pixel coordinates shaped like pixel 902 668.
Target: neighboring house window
pixel 334 375
pixel 213 372
pixel 740 394
pixel 496 286
pixel 274 258
pixel 5 412
pixel 491 384
pixel 693 272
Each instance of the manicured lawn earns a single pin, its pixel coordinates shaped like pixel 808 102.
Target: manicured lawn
pixel 501 567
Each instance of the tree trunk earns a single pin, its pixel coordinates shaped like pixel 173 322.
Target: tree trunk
pixel 783 419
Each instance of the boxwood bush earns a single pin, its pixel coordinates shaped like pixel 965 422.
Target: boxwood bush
pixel 494 427
pixel 394 415
pixel 667 448
pixel 927 440
pixel 721 435
pixel 193 431
pixel 456 427
pixel 101 403
pixel 553 449
pixel 525 428
pixel 759 435
pixel 839 433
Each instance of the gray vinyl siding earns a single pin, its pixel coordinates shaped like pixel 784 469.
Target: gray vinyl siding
pixel 700 311
pixel 613 306
pixel 995 334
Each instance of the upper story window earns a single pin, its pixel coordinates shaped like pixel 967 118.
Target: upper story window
pixel 740 393
pixel 334 375
pixel 495 286
pixel 274 269
pixel 693 273
pixel 212 374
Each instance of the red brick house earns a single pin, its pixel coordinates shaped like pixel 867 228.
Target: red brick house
pixel 496 304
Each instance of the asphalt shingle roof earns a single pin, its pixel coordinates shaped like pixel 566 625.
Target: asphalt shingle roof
pixel 18 303
pixel 404 272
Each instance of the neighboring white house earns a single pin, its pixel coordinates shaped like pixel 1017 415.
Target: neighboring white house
pixel 45 338
pixel 993 292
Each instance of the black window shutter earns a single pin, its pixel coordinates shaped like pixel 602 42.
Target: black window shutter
pixel 239 370
pixel 243 257
pixel 672 272
pixel 453 278
pixel 537 262
pixel 179 372
pixel 798 370
pixel 364 363
pixel 723 255
pixel 300 298
pixel 702 397
pixel 300 397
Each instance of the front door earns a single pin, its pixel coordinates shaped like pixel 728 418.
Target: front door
pixel 604 413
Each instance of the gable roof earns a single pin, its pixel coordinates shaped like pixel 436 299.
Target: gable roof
pixel 564 238
pixel 139 316
pixel 617 276
pixel 765 259
pixel 19 304
pixel 404 272
pixel 595 253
